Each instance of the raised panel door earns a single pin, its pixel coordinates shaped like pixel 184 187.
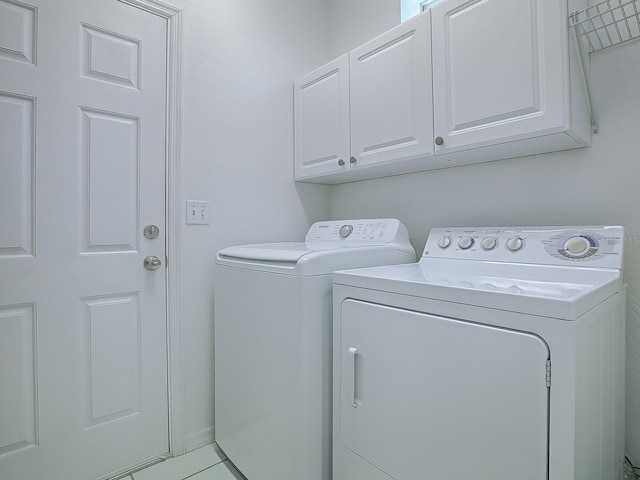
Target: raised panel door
pixel 322 120
pixel 500 71
pixel 391 105
pixel 83 345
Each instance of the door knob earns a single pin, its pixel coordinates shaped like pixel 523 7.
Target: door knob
pixel 439 141
pixel 152 262
pixel 341 162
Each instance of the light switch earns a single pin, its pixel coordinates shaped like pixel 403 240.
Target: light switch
pixel 197 212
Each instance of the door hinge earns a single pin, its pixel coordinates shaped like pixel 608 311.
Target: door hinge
pixel 548 374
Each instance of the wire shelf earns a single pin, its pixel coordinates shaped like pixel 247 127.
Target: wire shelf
pixel 608 23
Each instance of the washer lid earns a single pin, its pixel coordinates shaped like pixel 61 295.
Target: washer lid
pixel 549 291
pixel 287 252
pixel 329 246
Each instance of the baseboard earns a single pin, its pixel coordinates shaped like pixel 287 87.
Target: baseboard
pixel 200 438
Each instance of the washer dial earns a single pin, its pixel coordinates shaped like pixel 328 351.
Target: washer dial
pixel 345 231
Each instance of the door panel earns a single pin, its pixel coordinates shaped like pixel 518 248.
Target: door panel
pixel 440 398
pixel 86 156
pixel 16 181
pixel 495 79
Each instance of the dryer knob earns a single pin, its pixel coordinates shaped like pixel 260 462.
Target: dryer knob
pixel 515 243
pixel 444 241
pixel 489 243
pixel 465 243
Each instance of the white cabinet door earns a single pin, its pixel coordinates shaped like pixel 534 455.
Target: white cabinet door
pixel 431 397
pixel 322 120
pixel 499 71
pixel 391 105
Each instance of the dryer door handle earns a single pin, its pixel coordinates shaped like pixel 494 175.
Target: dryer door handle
pixel 353 351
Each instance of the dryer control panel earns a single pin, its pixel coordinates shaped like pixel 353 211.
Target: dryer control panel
pixel 586 246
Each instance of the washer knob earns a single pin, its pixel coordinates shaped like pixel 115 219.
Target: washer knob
pixel 444 241
pixel 345 231
pixel 465 243
pixel 489 243
pixel 515 243
pixel 576 246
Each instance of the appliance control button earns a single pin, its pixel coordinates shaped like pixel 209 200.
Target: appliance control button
pixel 515 243
pixel 489 243
pixel 576 246
pixel 465 243
pixel 345 231
pixel 444 241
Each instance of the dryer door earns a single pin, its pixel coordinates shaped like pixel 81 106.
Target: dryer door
pixel 433 397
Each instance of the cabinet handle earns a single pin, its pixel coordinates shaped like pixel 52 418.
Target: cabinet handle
pixel 353 351
pixel 340 162
pixel 353 160
pixel 439 141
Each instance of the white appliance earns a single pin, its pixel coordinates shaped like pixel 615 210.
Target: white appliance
pixel 498 356
pixel 273 344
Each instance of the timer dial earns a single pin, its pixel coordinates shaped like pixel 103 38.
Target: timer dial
pixel 577 246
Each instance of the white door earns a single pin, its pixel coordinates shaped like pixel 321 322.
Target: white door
pixel 322 120
pixel 431 397
pixel 83 367
pixel 498 71
pixel 391 105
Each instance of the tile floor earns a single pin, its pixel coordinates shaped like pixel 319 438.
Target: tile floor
pixel 206 463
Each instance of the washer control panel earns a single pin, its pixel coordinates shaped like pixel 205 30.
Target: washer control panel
pixel 372 231
pixel 538 245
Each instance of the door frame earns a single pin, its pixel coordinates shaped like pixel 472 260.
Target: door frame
pixel 173 217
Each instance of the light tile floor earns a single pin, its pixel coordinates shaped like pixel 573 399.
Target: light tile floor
pixel 206 463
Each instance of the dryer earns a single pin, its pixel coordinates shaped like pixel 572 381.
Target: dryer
pixel 499 355
pixel 273 343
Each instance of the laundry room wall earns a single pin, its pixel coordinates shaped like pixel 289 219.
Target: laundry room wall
pixel 596 185
pixel 239 61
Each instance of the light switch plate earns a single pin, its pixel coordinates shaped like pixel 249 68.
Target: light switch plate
pixel 197 212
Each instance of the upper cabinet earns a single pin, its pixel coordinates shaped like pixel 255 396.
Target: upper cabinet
pixel 467 81
pixel 367 109
pixel 322 141
pixel 500 72
pixel 390 80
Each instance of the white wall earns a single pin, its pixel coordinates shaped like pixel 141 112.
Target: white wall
pixel 598 185
pixel 354 22
pixel 239 61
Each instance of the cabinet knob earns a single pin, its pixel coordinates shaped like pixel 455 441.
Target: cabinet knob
pixel 353 159
pixel 439 141
pixel 340 162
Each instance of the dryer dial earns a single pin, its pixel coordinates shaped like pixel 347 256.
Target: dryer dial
pixel 444 241
pixel 515 243
pixel 465 243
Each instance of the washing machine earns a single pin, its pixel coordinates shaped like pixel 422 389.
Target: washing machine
pixel 498 356
pixel 273 339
